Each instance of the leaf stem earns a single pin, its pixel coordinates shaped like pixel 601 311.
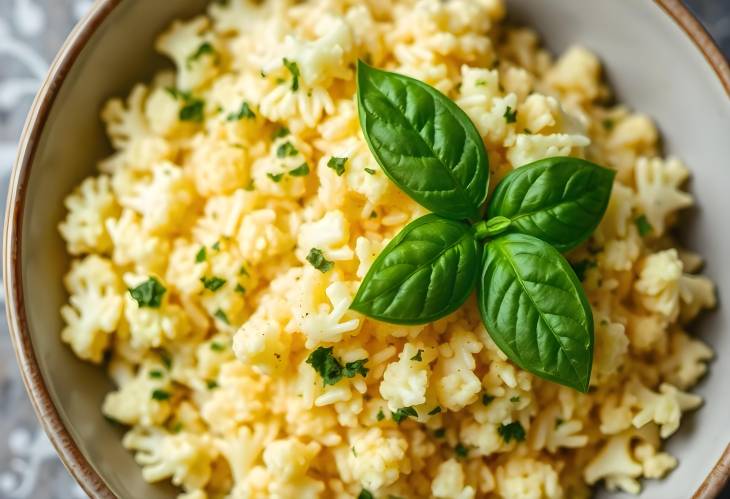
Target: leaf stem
pixel 491 228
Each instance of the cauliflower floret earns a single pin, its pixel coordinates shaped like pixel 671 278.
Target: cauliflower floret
pixel 89 206
pixel 528 148
pixel 194 53
pixel 124 125
pixel 405 381
pixel 664 408
pixel 184 458
pixel 695 293
pixel 133 245
pixel 330 234
pixel 576 73
pixel 658 190
pixel 377 457
pixel 242 452
pixel 329 324
pixel 525 478
pixel 288 461
pixel 142 399
pixel 216 166
pixel 262 344
pixel 615 464
pixel 94 308
pixel 259 237
pixel 456 384
pixel 162 200
pixel 449 482
pixel 658 283
pixel 686 362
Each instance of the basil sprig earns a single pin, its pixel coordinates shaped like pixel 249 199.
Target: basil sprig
pixel 529 298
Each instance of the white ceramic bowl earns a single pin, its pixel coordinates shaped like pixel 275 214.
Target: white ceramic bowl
pixel 658 58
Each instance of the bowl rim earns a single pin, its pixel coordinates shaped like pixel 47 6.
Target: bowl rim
pixel 47 413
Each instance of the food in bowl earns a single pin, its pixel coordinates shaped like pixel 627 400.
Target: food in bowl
pixel 218 251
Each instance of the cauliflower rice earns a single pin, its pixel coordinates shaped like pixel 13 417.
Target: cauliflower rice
pixel 221 184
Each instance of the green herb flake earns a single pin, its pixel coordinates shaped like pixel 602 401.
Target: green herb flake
pixel 217 347
pixel 418 357
pixel 286 150
pixel 365 494
pixel 216 246
pixel 380 416
pixel 201 255
pixel 193 110
pixel 487 399
pixel 244 112
pixel 239 289
pixel 294 70
pixel 439 433
pixel 160 395
pixel 511 431
pixel 205 48
pixel 403 413
pixel 250 186
pixel 643 225
pixel 509 115
pixel 280 132
pixel 370 171
pixel 317 259
pixel 212 283
pixel 275 177
pixel 558 422
pixel 300 171
pixel 149 293
pixel 352 369
pixel 435 410
pixel 514 400
pixel 177 428
pixel 165 358
pixel 156 374
pixel 608 124
pixel 461 451
pixel 211 384
pixel 337 164
pixel 242 270
pixel 221 316
pixel 581 267
pixel 325 364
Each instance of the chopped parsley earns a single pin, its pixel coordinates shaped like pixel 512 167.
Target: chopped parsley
pixel 608 124
pixel 280 132
pixel 318 261
pixel 487 399
pixel 216 246
pixel 242 270
pixel 294 70
pixel 251 185
pixel 156 374
pixel 365 494
pixel 205 48
pixel 380 416
pixel 239 289
pixel 439 433
pixel 217 347
pixel 201 255
pixel 275 177
pixel 403 413
pixel 580 268
pixel 511 431
pixel 221 316
pixel 337 164
pixel 461 451
pixel 329 368
pixel 244 112
pixel 558 422
pixel 370 171
pixel 285 150
pixel 211 384
pixel 514 399
pixel 527 131
pixel 160 395
pixel 509 115
pixel 418 355
pixel 212 283
pixel 165 358
pixel 193 110
pixel 435 410
pixel 300 171
pixel 643 225
pixel 149 293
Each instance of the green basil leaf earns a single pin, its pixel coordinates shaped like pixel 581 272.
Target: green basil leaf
pixel 426 272
pixel 559 200
pixel 424 142
pixel 535 309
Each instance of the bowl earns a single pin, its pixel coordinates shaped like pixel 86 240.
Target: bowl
pixel 658 58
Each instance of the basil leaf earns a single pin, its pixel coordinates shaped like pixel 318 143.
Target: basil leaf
pixel 559 200
pixel 535 309
pixel 426 272
pixel 424 142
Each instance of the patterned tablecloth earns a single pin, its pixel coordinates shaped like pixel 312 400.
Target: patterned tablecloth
pixel 31 31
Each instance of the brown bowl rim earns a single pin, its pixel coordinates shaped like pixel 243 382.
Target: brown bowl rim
pixel 71 456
